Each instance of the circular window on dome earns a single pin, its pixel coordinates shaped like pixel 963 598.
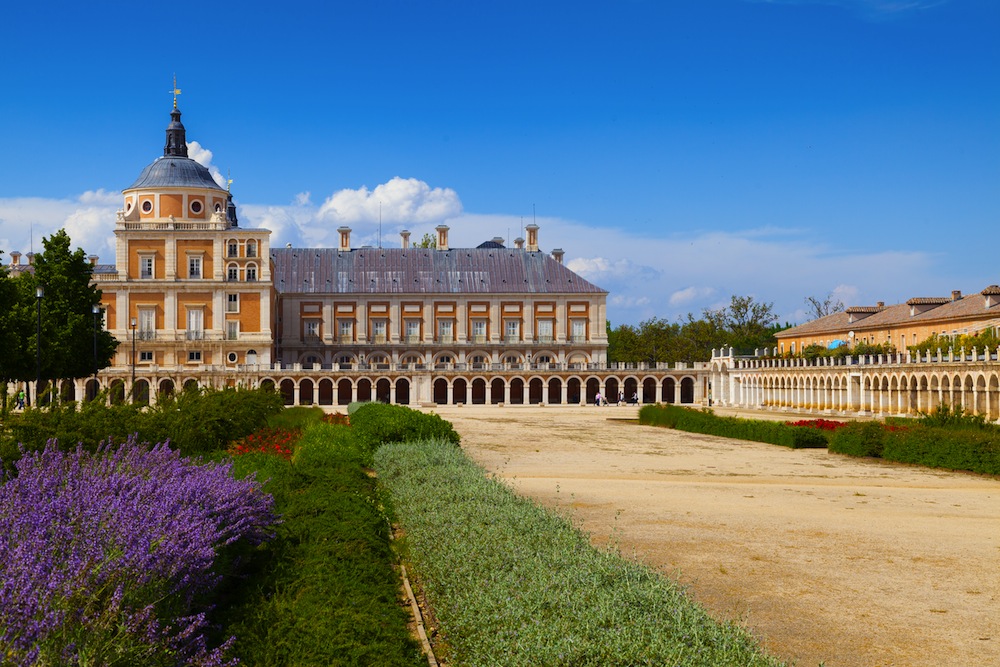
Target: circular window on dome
pixel 196 207
pixel 147 206
pixel 129 204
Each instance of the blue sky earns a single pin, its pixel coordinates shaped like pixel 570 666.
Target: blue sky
pixel 679 151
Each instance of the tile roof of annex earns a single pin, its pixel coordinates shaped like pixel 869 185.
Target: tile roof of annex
pixel 423 271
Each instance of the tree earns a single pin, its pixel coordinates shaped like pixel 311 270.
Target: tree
pixel 427 241
pixel 749 323
pixel 67 319
pixel 821 308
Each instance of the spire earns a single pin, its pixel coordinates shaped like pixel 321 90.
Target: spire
pixel 176 140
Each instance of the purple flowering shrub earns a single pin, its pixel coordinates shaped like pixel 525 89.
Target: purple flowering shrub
pixel 109 558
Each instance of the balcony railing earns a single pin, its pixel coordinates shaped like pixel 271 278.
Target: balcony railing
pixel 194 335
pixel 411 338
pixel 578 339
pixel 544 340
pixel 512 340
pixel 345 339
pixel 478 339
pixel 445 340
pixel 379 339
pixel 145 335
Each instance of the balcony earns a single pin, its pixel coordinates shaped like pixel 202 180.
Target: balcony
pixel 578 339
pixel 379 339
pixel 478 339
pixel 411 338
pixel 194 335
pixel 544 340
pixel 345 339
pixel 446 340
pixel 512 339
pixel 145 335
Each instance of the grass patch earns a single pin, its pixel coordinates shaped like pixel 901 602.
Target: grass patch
pixel 512 584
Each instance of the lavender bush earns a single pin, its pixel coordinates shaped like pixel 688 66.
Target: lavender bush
pixel 107 558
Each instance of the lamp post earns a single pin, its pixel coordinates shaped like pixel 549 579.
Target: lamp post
pixel 95 309
pixel 39 293
pixel 133 359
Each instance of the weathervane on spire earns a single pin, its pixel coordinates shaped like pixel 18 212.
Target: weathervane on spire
pixel 229 180
pixel 176 91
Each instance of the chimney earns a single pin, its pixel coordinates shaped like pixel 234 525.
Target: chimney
pixel 345 238
pixel 880 304
pixel 442 239
pixel 557 254
pixel 498 240
pixel 31 258
pixel 15 258
pixel 956 294
pixel 93 260
pixel 519 243
pixel 532 230
pixel 405 235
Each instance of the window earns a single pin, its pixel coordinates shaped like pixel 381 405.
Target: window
pixel 146 267
pixel 232 303
pixel 232 249
pixel 196 207
pixel 412 331
pixel 310 329
pixel 579 331
pixel 145 356
pixel 147 324
pixel 194 267
pixel 445 330
pixel 378 331
pixel 251 249
pixel 195 325
pixel 512 331
pixel 147 206
pixel 251 273
pixel 345 329
pixel 194 356
pixel 232 329
pixel 478 331
pixel 232 272
pixel 544 334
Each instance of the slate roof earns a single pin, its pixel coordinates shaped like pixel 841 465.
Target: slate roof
pixel 423 271
pixel 173 171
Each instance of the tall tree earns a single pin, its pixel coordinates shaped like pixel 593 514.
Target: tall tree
pixel 749 323
pixel 67 319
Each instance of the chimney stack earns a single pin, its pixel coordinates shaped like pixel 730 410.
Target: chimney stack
pixel 442 238
pixel 345 238
pixel 93 260
pixel 519 243
pixel 532 230
pixel 880 304
pixel 557 254
pixel 498 240
pixel 15 258
pixel 31 258
pixel 956 294
pixel 405 235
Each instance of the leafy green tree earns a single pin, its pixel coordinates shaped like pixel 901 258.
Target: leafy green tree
pixel 428 241
pixel 749 323
pixel 67 319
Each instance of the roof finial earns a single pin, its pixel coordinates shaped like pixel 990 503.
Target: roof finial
pixel 229 180
pixel 176 91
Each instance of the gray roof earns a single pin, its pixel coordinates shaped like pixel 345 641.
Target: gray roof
pixel 423 271
pixel 175 171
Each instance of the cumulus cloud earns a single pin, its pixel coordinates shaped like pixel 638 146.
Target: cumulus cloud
pixel 203 156
pixel 88 219
pixel 400 200
pixel 683 297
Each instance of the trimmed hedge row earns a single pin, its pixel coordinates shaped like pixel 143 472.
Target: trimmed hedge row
pixel 972 449
pixel 707 422
pixel 376 424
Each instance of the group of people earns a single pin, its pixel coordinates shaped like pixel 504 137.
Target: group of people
pixel 600 400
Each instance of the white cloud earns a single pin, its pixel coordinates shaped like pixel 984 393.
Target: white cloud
pixel 400 200
pixel 689 295
pixel 89 220
pixel 203 156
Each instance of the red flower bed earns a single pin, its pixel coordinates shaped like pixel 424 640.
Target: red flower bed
pixel 821 424
pixel 277 441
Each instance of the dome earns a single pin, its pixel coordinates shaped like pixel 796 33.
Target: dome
pixel 175 171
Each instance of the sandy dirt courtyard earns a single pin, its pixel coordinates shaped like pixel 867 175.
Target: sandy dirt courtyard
pixel 827 559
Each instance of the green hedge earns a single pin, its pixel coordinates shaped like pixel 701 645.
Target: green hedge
pixel 196 421
pixel 707 422
pixel 376 424
pixel 976 449
pixel 325 591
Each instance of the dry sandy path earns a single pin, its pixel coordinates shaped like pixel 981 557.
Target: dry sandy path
pixel 826 558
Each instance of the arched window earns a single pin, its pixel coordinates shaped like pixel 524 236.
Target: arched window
pixel 251 272
pixel 251 248
pixel 232 272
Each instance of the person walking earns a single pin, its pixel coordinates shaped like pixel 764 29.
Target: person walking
pixel 20 400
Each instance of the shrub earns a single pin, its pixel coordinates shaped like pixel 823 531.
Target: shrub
pixel 108 558
pixel 375 424
pixel 859 439
pixel 706 421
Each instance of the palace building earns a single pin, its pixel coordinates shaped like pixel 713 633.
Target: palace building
pixel 195 298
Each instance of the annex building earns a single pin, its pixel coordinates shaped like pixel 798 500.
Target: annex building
pixel 196 298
